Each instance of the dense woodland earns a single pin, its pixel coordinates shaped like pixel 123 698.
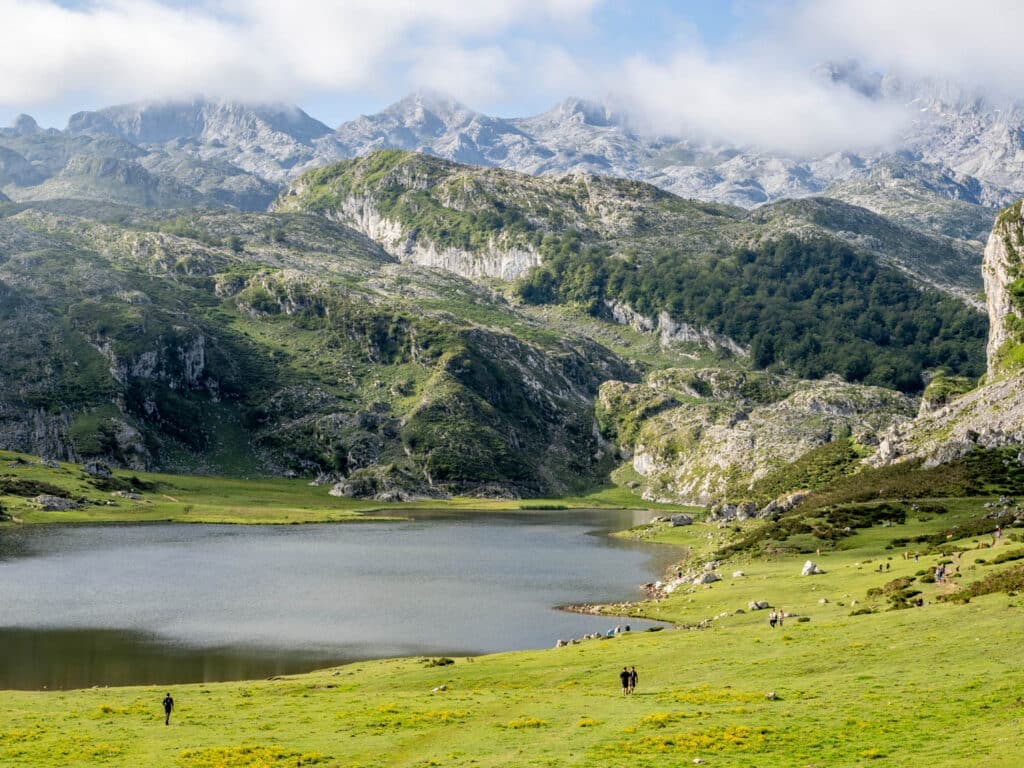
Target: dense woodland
pixel 812 307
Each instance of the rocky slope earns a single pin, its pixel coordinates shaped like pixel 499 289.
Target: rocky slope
pixel 991 415
pixel 697 436
pixel 219 342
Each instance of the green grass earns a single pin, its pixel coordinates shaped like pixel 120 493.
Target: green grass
pixel 856 682
pixel 197 499
pixel 936 686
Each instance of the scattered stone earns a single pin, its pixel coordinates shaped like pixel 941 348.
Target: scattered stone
pixel 707 578
pixel 758 605
pixel 49 464
pixel 738 574
pixel 680 520
pixel 128 495
pixel 772 696
pixel 49 503
pixel 823 601
pixel 561 644
pixel 697 761
pixel 439 688
pixel 811 569
pixel 97 469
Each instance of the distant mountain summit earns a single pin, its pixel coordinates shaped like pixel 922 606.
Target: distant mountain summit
pixel 199 119
pixel 961 157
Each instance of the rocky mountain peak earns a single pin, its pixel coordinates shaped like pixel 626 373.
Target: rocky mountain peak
pixel 583 111
pixel 198 119
pixel 25 125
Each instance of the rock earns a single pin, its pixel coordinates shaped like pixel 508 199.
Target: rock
pixel 681 520
pixel 771 696
pixel 97 469
pixel 810 569
pixel 439 688
pixel 758 605
pixel 49 503
pixel 561 644
pixel 738 574
pixel 782 504
pixel 707 578
pixel 823 601
pixel 128 495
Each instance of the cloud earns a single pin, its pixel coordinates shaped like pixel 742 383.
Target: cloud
pixel 976 43
pixel 759 87
pixel 260 49
pixel 752 102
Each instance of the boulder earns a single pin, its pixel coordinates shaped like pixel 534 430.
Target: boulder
pixel 707 578
pixel 49 503
pixel 811 569
pixel 97 469
pixel 680 520
pixel 738 574
pixel 758 605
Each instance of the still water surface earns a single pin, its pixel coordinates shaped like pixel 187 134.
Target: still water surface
pixel 142 604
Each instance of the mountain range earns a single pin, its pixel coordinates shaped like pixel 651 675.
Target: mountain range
pixel 960 148
pixel 431 300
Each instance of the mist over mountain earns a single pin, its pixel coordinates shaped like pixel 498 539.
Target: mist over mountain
pixel 956 145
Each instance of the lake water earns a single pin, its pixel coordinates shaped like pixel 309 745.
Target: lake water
pixel 148 604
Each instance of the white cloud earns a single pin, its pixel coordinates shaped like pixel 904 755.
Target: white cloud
pixel 752 102
pixel 977 43
pixel 759 88
pixel 260 49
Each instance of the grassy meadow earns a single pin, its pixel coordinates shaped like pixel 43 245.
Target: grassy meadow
pixel 846 681
pixel 198 499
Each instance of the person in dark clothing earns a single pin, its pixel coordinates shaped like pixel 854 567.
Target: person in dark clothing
pixel 632 679
pixel 168 707
pixel 624 678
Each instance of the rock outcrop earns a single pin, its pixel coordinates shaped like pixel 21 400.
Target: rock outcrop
pixel 695 435
pixel 991 415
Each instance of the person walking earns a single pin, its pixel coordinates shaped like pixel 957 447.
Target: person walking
pixel 624 678
pixel 168 708
pixel 632 679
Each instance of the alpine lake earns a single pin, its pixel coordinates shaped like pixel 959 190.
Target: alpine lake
pixel 98 605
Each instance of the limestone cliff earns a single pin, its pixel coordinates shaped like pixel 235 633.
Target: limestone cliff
pixel 1003 270
pixel 992 415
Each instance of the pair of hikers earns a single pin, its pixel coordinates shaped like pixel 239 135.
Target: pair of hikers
pixel 775 617
pixel 628 678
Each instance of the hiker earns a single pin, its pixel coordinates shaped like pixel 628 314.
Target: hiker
pixel 624 678
pixel 888 566
pixel 632 679
pixel 782 615
pixel 939 573
pixel 168 706
pixel 772 619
